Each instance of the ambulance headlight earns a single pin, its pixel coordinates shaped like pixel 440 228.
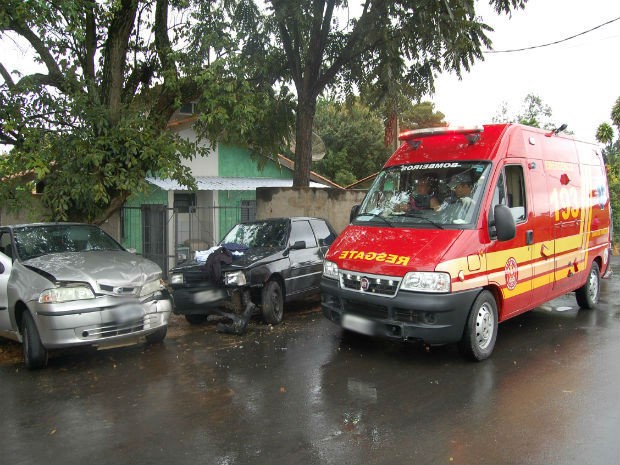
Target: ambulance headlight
pixel 422 281
pixel 330 269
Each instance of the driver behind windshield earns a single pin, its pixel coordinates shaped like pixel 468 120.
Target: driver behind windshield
pixel 462 185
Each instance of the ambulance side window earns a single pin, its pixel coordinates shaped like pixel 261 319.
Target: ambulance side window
pixel 499 194
pixel 515 192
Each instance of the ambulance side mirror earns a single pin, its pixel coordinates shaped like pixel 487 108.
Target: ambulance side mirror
pixel 353 214
pixel 503 224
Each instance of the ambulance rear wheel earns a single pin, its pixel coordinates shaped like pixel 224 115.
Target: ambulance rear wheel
pixel 480 331
pixel 588 294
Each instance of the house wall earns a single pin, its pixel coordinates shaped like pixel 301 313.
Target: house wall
pixel 236 162
pixel 200 166
pixel 332 204
pixel 132 216
pixel 32 212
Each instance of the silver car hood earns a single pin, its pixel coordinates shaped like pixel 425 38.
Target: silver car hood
pixel 114 268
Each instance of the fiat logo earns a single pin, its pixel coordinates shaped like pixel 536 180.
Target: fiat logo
pixel 364 284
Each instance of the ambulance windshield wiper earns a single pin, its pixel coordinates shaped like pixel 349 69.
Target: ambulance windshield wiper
pixel 425 218
pixel 375 215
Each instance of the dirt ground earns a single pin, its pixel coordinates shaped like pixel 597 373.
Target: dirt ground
pixel 11 351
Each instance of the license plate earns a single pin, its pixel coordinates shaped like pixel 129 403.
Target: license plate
pixel 209 296
pixel 358 324
pixel 128 312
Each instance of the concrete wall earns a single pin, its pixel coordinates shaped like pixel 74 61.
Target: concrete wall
pixel 332 204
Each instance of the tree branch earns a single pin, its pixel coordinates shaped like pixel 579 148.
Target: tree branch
pixel 6 76
pixel 162 41
pixel 54 77
pixel 115 54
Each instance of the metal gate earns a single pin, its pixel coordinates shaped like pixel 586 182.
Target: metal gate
pixel 171 235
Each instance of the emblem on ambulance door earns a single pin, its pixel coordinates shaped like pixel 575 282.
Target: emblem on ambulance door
pixel 512 273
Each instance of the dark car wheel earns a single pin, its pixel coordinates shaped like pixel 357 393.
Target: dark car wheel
pixel 480 332
pixel 35 355
pixel 157 336
pixel 273 303
pixel 588 294
pixel 196 319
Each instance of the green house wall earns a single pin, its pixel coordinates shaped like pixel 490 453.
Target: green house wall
pixel 237 162
pixel 233 162
pixel 132 215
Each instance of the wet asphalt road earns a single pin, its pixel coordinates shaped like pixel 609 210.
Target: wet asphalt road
pixel 303 392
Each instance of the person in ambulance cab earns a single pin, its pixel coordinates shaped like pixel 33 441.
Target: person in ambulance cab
pixel 458 211
pixel 425 196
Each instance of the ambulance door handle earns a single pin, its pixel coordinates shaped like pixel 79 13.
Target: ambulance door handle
pixel 529 236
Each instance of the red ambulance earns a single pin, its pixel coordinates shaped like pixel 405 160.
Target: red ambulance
pixel 464 228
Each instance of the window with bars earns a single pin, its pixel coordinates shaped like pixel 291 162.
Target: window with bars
pixel 184 202
pixel 248 210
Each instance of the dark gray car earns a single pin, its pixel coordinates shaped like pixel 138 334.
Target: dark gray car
pixel 267 263
pixel 71 284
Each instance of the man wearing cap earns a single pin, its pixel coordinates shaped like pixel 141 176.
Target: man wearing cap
pixel 462 185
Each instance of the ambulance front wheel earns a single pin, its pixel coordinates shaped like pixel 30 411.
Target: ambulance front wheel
pixel 588 294
pixel 480 331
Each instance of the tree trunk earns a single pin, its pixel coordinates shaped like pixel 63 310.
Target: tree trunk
pixel 303 142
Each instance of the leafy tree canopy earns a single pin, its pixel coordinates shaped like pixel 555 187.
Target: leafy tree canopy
pixel 354 136
pixel 534 112
pixel 386 45
pixel 611 152
pixel 92 123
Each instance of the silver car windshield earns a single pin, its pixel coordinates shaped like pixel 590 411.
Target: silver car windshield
pixel 35 241
pixel 436 195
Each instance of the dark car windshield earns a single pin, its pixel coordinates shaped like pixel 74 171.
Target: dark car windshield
pixel 258 234
pixel 34 241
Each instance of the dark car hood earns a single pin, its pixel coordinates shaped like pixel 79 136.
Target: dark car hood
pixel 99 266
pixel 248 259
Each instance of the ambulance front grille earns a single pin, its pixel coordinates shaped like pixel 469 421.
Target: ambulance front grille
pixel 374 284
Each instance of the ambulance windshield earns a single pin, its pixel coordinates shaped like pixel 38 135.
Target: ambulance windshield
pixel 434 195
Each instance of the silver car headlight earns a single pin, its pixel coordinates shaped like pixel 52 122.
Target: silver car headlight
pixel 330 269
pixel 234 278
pixel 177 278
pixel 423 281
pixel 151 287
pixel 66 294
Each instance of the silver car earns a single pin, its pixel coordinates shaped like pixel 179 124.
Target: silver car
pixel 71 284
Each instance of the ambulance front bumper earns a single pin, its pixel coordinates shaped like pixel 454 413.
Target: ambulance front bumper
pixel 430 318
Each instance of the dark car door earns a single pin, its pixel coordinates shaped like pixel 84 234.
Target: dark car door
pixel 307 262
pixel 324 234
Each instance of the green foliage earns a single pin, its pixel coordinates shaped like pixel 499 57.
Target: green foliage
pixel 611 152
pixel 353 137
pixel 353 134
pixel 534 112
pixel 386 48
pixel 92 124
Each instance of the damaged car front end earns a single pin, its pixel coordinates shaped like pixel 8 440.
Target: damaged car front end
pixel 70 284
pixel 264 264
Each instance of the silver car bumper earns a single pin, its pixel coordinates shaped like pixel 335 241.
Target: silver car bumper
pixel 103 320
